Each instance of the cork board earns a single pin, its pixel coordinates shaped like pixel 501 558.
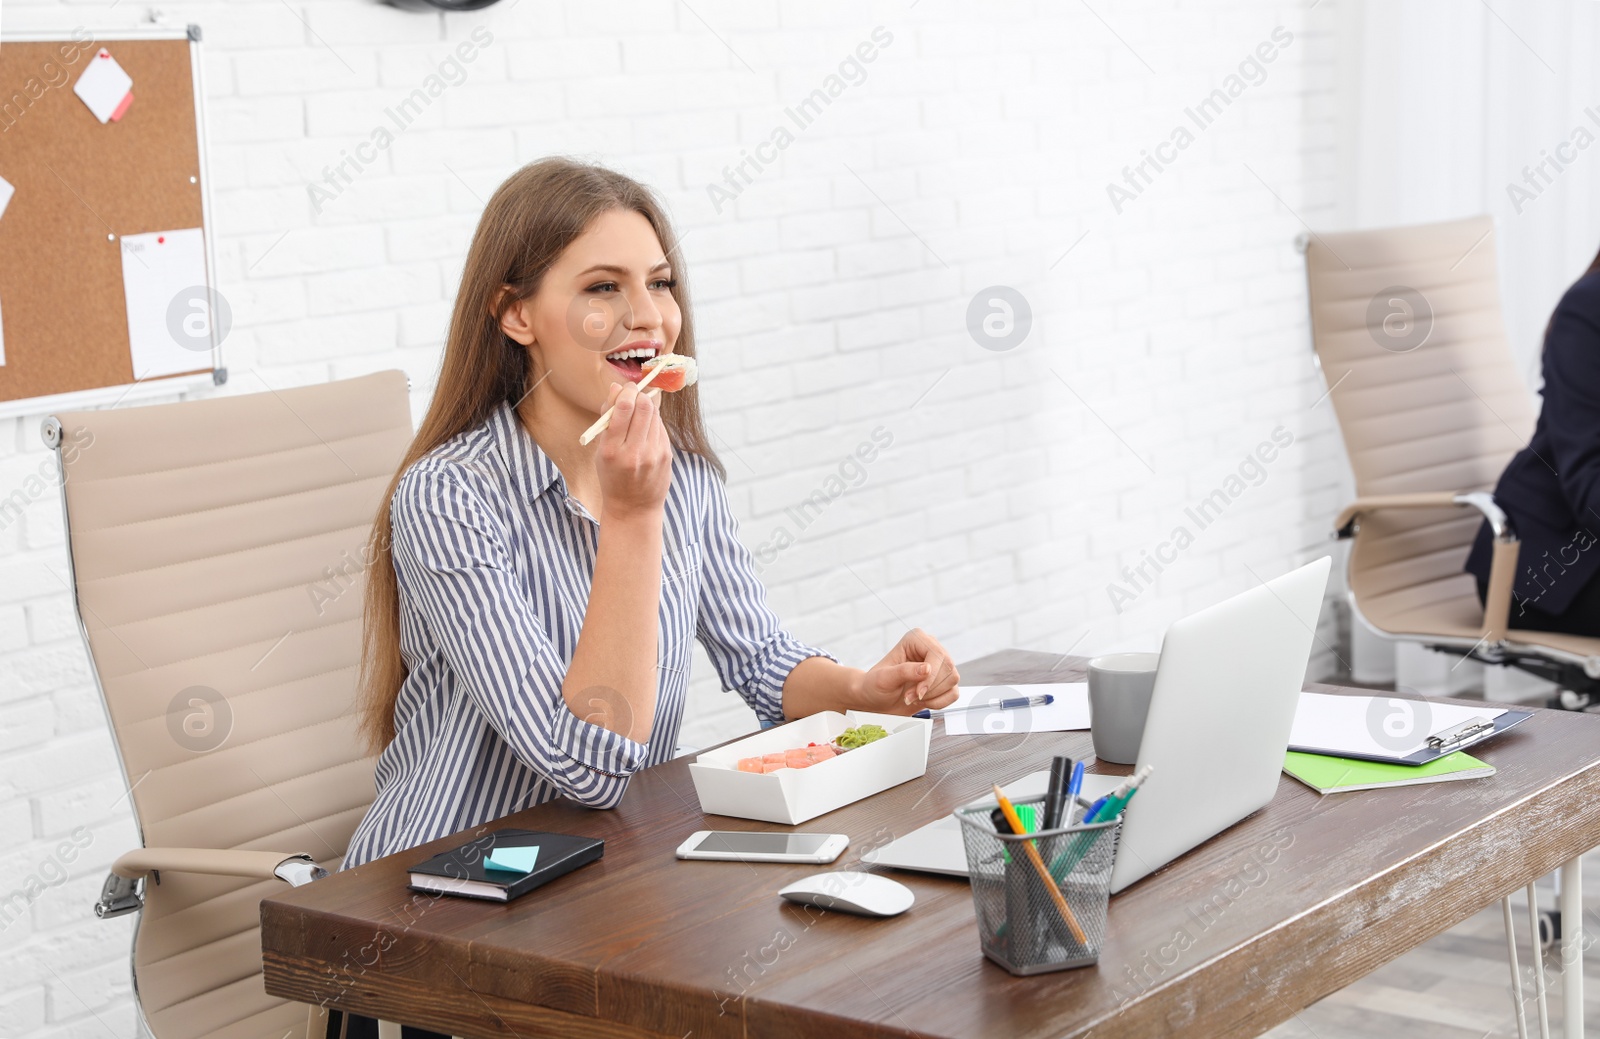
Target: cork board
pixel 80 186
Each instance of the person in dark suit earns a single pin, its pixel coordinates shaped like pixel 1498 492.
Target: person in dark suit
pixel 1551 489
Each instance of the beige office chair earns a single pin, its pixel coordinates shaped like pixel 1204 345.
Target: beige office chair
pixel 217 553
pixel 1407 330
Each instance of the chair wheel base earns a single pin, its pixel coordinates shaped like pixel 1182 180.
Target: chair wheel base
pixel 1568 700
pixel 1549 928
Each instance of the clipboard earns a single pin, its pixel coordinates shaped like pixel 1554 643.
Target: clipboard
pixel 1352 727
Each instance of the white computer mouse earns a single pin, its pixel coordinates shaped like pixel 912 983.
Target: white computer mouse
pixel 865 893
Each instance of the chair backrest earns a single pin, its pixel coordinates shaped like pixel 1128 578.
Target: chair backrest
pixel 1407 327
pixel 218 550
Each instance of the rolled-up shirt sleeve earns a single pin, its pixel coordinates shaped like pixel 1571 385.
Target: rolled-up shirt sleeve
pixel 752 653
pixel 455 572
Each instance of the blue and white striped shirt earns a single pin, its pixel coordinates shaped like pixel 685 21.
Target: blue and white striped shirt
pixel 494 561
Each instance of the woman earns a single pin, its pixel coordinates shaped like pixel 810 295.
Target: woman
pixel 532 602
pixel 1551 488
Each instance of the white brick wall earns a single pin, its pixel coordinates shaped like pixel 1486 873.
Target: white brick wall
pixel 831 299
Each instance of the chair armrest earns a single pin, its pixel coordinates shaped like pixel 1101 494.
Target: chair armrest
pixel 1483 501
pixel 120 894
pixel 1502 563
pixel 225 862
pixel 1344 526
pixel 1497 596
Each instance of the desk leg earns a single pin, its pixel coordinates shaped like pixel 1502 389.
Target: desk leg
pixel 1518 1004
pixel 1571 905
pixel 1538 962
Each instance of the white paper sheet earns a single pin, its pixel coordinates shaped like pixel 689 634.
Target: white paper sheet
pixel 105 87
pixel 1383 725
pixel 163 279
pixel 1069 711
pixel 6 191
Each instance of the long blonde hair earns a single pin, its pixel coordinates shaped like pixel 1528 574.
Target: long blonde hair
pixel 532 218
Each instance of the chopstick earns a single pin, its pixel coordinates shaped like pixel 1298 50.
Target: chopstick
pixel 1038 865
pixel 603 421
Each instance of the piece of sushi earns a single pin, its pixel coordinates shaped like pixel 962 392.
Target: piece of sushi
pixel 669 372
pixel 676 372
pixel 795 757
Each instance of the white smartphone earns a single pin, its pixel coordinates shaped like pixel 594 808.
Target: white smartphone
pixel 760 846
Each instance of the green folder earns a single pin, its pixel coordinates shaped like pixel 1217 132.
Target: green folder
pixel 1329 775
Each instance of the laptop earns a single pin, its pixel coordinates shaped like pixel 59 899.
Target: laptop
pixel 1225 695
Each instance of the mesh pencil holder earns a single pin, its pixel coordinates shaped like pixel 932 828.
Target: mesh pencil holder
pixel 1022 923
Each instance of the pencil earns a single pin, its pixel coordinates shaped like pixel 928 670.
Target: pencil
pixel 1038 864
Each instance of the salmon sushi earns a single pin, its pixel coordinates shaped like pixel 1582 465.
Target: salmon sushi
pixel 676 372
pixel 795 757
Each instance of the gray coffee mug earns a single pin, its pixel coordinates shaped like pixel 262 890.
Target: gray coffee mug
pixel 1120 685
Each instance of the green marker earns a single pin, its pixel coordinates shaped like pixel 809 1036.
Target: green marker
pixel 1115 802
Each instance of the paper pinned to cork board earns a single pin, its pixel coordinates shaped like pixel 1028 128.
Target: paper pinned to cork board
pixel 105 87
pixel 163 277
pixel 6 191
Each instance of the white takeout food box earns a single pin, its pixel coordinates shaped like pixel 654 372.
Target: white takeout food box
pixel 793 795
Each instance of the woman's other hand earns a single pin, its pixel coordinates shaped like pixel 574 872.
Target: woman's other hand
pixel 917 673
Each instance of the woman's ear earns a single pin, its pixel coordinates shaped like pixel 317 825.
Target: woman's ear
pixel 514 322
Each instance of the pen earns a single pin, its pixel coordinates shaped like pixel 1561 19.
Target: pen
pixel 1126 791
pixel 997 818
pixel 1109 810
pixel 1074 788
pixel 1015 703
pixel 1055 799
pixel 1103 810
pixel 1119 797
pixel 1038 865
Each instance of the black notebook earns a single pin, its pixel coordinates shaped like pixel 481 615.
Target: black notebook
pixel 461 871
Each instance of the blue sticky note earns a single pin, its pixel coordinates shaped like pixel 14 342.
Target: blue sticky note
pixel 513 860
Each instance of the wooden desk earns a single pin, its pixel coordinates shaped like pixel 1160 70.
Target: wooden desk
pixel 1289 905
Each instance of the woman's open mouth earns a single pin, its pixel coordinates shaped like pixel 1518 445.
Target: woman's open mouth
pixel 630 360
